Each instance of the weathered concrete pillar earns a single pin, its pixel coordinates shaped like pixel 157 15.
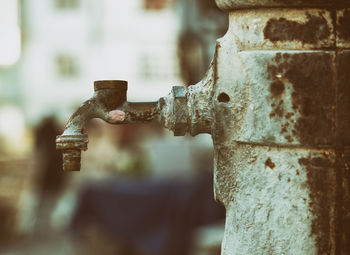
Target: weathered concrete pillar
pixel 281 129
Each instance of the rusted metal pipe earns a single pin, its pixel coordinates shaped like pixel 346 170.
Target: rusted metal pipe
pixel 109 103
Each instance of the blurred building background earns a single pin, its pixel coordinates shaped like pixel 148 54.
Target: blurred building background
pixel 51 51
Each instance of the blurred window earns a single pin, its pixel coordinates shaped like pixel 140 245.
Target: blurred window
pixel 154 67
pixel 146 67
pixel 67 4
pixel 66 66
pixel 151 5
pixel 10 33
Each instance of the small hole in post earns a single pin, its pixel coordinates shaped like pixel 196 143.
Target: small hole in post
pixel 223 98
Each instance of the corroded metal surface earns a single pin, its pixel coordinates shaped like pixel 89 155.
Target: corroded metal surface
pixel 281 140
pixel 282 109
pixel 109 104
pixel 72 142
pixel 141 112
pixel 71 159
pixel 278 200
pixel 276 101
pixel 343 92
pixel 111 84
pixel 343 28
pixel 244 4
pixel 180 110
pixel 275 28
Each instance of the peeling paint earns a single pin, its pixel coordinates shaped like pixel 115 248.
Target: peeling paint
pixel 277 88
pixel 343 25
pixel 319 176
pixel 315 29
pixel 311 77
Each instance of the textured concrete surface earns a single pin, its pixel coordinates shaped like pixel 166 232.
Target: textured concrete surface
pixel 243 4
pixel 278 200
pixel 280 113
pixel 276 101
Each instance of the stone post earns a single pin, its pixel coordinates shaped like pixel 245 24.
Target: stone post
pixel 281 127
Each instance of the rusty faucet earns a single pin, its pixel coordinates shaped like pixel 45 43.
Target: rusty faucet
pixel 110 104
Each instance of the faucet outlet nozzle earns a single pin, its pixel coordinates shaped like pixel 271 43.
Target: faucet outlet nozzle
pixel 71 146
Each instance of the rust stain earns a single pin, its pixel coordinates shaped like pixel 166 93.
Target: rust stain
pixel 314 30
pixel 278 57
pixel 277 88
pixel 311 77
pixel 343 79
pixel 297 172
pixel 278 110
pixel 319 170
pixel 112 98
pixel 343 199
pixel 145 116
pixel 284 130
pixel 343 26
pixel 314 96
pixel 197 113
pixel 289 115
pixel 289 138
pixel 141 112
pixel 269 163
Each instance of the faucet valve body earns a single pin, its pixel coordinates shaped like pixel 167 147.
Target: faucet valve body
pixel 108 96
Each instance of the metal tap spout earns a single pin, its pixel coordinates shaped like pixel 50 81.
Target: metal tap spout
pixel 108 103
